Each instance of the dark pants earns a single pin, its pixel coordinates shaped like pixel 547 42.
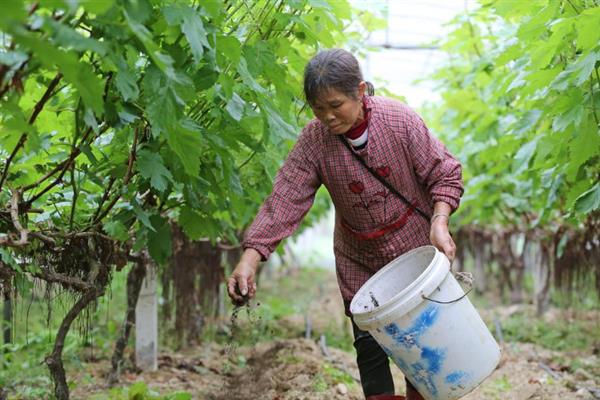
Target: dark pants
pixel 374 365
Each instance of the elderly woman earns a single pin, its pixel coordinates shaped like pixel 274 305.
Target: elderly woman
pixel 392 183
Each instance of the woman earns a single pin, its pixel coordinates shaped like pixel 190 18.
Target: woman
pixel 373 225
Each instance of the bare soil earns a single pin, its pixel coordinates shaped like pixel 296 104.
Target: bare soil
pixel 299 368
pixel 295 369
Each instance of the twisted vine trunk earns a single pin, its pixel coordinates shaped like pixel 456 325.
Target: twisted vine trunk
pixel 479 261
pixel 6 288
pixel 211 276
pixel 7 317
pixel 197 274
pixel 135 277
pixel 475 243
pixel 542 274
pixel 54 360
pixel 516 246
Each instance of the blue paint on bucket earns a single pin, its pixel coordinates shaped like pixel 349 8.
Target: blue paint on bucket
pixel 427 319
pixel 423 377
pixel 410 337
pixel 423 371
pixel 456 377
pixel 434 358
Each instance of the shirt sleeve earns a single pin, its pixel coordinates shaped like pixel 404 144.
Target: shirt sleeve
pixel 292 196
pixel 438 170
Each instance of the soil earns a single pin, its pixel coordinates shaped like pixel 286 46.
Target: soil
pixel 293 369
pixel 300 368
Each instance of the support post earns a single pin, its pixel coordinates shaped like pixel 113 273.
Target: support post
pixel 146 323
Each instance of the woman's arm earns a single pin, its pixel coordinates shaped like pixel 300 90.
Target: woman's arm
pixel 439 234
pixel 436 169
pixel 441 174
pixel 292 196
pixel 280 215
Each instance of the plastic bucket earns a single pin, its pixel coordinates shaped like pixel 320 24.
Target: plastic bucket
pixel 444 350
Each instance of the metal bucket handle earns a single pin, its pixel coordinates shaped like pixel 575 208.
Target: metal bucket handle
pixel 465 277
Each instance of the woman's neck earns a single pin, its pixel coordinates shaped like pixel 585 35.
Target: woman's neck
pixel 360 125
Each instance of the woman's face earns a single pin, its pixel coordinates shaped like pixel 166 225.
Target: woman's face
pixel 338 111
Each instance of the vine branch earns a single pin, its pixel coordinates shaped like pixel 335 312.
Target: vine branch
pixel 111 181
pixel 14 214
pixel 65 280
pixel 36 111
pixel 126 179
pixel 65 167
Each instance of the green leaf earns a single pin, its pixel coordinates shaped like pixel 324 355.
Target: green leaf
pixel 588 201
pixel 573 116
pixel 85 149
pixel 235 107
pixel 585 66
pixel 151 166
pixel 126 83
pixel 165 97
pixel 235 183
pixel 510 8
pixel 214 8
pixel 538 24
pixel 527 122
pixel 247 78
pixel 230 47
pixel 553 191
pixel 16 121
pixel 205 78
pixel 539 80
pixel 523 156
pixel 191 26
pixel 588 34
pixel 570 110
pixel 69 38
pixel 543 54
pixel 577 73
pixel 13 13
pixel 194 31
pixel 159 241
pixel 143 216
pixel 162 60
pixel 97 7
pixel 278 128
pixel 186 141
pixel 192 223
pixel 163 112
pixel 574 192
pixel 76 72
pixel 117 230
pixel 139 10
pixel 584 145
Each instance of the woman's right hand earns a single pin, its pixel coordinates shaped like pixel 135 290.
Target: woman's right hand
pixel 241 285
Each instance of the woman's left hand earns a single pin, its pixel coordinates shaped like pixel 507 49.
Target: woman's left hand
pixel 440 237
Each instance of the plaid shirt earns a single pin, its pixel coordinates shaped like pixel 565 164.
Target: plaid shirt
pixel 373 226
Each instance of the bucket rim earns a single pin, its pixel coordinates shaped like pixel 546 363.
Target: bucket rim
pixel 409 297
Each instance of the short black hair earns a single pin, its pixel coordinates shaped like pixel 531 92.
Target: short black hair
pixel 333 69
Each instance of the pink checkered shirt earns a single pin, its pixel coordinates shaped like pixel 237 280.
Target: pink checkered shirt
pixel 373 226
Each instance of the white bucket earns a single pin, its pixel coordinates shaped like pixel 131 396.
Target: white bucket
pixel 444 350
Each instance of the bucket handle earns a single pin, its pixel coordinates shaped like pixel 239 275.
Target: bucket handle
pixel 465 277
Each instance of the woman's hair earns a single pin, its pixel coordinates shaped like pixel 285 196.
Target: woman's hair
pixel 333 69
